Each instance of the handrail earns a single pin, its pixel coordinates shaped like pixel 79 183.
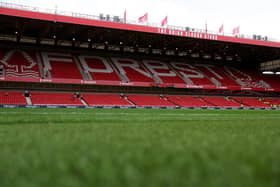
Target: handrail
pixel 118 19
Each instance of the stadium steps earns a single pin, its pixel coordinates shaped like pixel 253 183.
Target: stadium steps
pixel 178 74
pixel 206 101
pixel 265 102
pixel 272 102
pixel 127 99
pixel 149 100
pixel 154 77
pixel 120 74
pixel 252 102
pixel 28 100
pixel 238 101
pixel 212 79
pixel 167 100
pixel 234 100
pixel 172 102
pixel 83 101
pixel 85 74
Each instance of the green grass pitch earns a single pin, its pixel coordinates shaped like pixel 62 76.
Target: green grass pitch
pixel 139 147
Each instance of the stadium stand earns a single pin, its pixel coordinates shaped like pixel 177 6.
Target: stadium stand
pixel 105 100
pixel 98 68
pixel 60 65
pixel 18 63
pixel 217 75
pixel 221 101
pixel 150 100
pixel 42 65
pixel 55 98
pixel 162 72
pixel 188 101
pixel 130 100
pixel 251 102
pixel 67 68
pixel 107 64
pixel 12 98
pixel 272 101
pixel 131 70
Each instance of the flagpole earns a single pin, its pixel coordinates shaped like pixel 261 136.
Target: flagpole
pixel 124 16
pixel 55 13
pixel 223 28
pixel 206 26
pixel 167 21
pixel 147 24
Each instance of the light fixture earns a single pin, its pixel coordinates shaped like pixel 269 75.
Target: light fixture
pixel 229 58
pixel 268 72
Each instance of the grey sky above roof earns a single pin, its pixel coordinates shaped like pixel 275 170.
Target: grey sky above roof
pixel 253 16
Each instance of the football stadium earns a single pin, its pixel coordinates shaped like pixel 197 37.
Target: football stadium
pixel 101 100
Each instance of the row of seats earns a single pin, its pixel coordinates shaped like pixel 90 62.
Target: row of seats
pixel 111 99
pixel 12 98
pixel 65 66
pixel 44 98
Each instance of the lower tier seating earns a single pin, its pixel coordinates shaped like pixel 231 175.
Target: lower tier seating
pixel 141 100
pixel 272 101
pixel 150 100
pixel 221 101
pixel 105 100
pixel 12 98
pixel 252 102
pixel 188 101
pixel 51 98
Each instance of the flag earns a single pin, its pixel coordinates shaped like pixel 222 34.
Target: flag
pixel 221 29
pixel 124 16
pixel 164 21
pixel 143 18
pixel 236 30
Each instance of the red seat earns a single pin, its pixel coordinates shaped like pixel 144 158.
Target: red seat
pixel 252 102
pixel 12 98
pixel 275 101
pixel 54 98
pixel 105 100
pixel 150 100
pixel 221 101
pixel 18 63
pixel 188 101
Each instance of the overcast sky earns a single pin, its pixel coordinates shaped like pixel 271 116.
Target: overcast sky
pixel 254 16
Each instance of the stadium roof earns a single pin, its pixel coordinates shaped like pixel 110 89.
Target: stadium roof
pixel 33 22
